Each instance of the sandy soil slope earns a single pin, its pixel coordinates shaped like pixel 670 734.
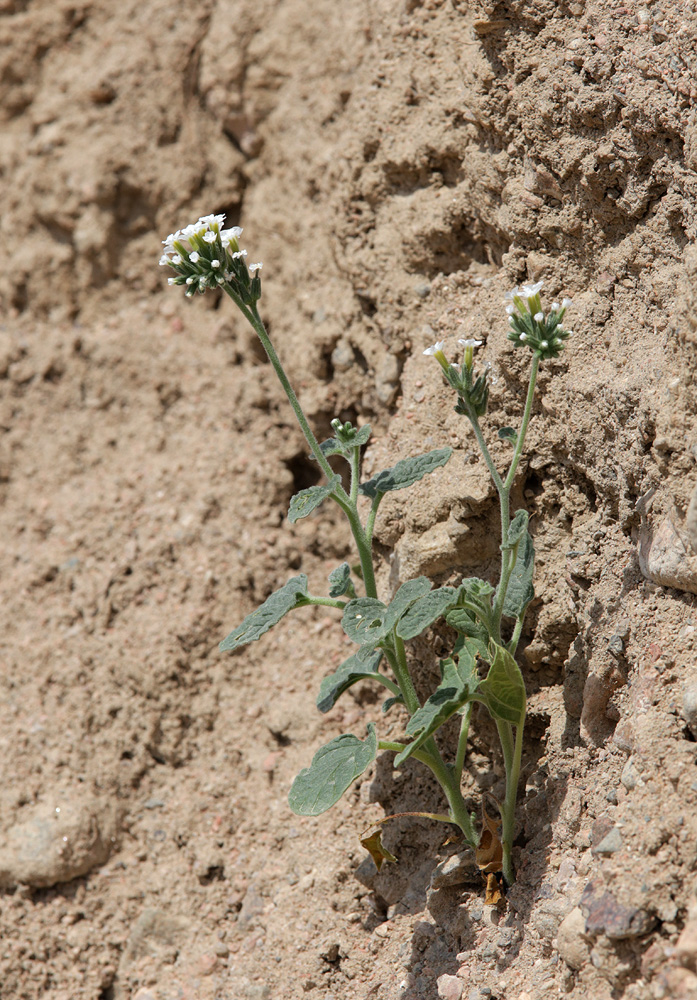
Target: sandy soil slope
pixel 397 165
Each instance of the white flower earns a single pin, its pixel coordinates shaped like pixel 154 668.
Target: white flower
pixel 210 237
pixel 510 309
pixel 215 263
pixel 176 259
pixel 529 291
pixel 255 267
pixel 539 317
pixel 170 281
pixel 164 259
pixel 194 257
pixel 511 320
pixel 565 303
pixel 231 234
pixel 238 254
pixel 471 343
pixel 211 220
pixel 544 345
pixel 555 307
pixel 435 348
pixel 523 336
pixel 514 293
pixel 569 333
pixel 190 281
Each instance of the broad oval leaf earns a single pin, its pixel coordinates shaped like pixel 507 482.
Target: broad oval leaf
pixel 520 590
pixel 425 611
pixel 268 614
pixel 458 686
pixel 304 502
pixel 406 596
pixel 340 581
pixel 364 621
pixel 405 473
pixel 503 689
pixel 334 768
pixel 350 672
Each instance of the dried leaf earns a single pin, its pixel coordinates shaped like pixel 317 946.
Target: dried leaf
pixel 377 850
pixel 489 853
pixel 494 892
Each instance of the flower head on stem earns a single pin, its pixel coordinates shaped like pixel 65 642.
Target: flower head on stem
pixel 530 325
pixel 204 255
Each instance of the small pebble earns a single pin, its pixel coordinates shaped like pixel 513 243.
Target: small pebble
pixel 610 844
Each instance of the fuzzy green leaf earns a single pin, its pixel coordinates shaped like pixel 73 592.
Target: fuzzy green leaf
pixel 364 620
pixel 334 768
pixel 520 590
pixel 389 703
pixel 425 611
pixel 405 473
pixel 268 614
pixel 465 622
pixel 503 689
pixel 406 597
pixel 350 672
pixel 340 581
pixel 509 434
pixel 458 686
pixel 367 621
pixel 517 527
pixel 304 502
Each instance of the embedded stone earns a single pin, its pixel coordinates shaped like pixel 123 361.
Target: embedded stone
pixel 573 943
pixel 605 915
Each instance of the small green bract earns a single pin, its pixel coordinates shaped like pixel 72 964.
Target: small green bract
pixel 487 620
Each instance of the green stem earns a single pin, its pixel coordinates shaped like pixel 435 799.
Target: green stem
pixel 515 638
pixel 526 420
pixel 325 602
pixel 398 662
pixel 370 523
pixel 430 754
pixel 340 495
pixel 462 742
pixel 355 474
pixel 512 756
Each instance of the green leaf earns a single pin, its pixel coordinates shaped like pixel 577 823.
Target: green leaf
pixel 517 528
pixel 340 581
pixel 332 446
pixel 509 434
pixel 457 687
pixel 367 621
pixel 503 689
pixel 389 703
pixel 350 672
pixel 406 596
pixel 520 590
pixel 304 502
pixel 333 769
pixel 269 614
pixel 405 473
pixel 465 622
pixel 475 595
pixel 425 611
pixel 364 620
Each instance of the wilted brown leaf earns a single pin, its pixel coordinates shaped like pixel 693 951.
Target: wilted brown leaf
pixel 378 852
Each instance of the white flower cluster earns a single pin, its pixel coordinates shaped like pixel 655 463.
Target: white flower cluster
pixel 206 256
pixel 530 326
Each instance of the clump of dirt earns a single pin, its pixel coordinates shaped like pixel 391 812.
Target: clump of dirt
pixel 398 167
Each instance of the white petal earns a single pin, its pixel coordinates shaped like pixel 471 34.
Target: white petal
pixel 471 343
pixel 435 348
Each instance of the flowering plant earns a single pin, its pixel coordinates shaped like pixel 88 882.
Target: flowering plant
pixel 487 620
